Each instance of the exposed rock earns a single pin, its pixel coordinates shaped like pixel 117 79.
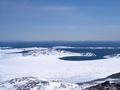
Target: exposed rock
pixel 105 86
pixel 111 82
pixel 114 76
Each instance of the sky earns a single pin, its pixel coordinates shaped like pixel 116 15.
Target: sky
pixel 66 20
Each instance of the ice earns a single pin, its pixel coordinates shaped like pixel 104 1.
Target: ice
pixel 49 66
pixel 68 47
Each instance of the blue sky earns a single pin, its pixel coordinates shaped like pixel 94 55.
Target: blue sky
pixel 71 20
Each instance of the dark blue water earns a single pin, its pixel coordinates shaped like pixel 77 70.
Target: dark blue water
pixel 100 53
pixel 61 43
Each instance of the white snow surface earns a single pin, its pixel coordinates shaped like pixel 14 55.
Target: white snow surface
pixel 32 83
pixel 45 64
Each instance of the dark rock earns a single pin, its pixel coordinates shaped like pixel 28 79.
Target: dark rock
pixel 106 83
pixel 114 76
pixel 105 86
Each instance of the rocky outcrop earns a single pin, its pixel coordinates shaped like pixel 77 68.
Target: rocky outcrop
pixel 111 82
pixel 105 86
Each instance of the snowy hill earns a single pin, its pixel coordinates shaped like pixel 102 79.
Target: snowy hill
pixel 32 83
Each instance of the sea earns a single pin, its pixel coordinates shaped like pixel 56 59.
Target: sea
pixel 91 50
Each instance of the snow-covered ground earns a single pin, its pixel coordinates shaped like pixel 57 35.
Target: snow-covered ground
pixel 45 64
pixel 32 83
